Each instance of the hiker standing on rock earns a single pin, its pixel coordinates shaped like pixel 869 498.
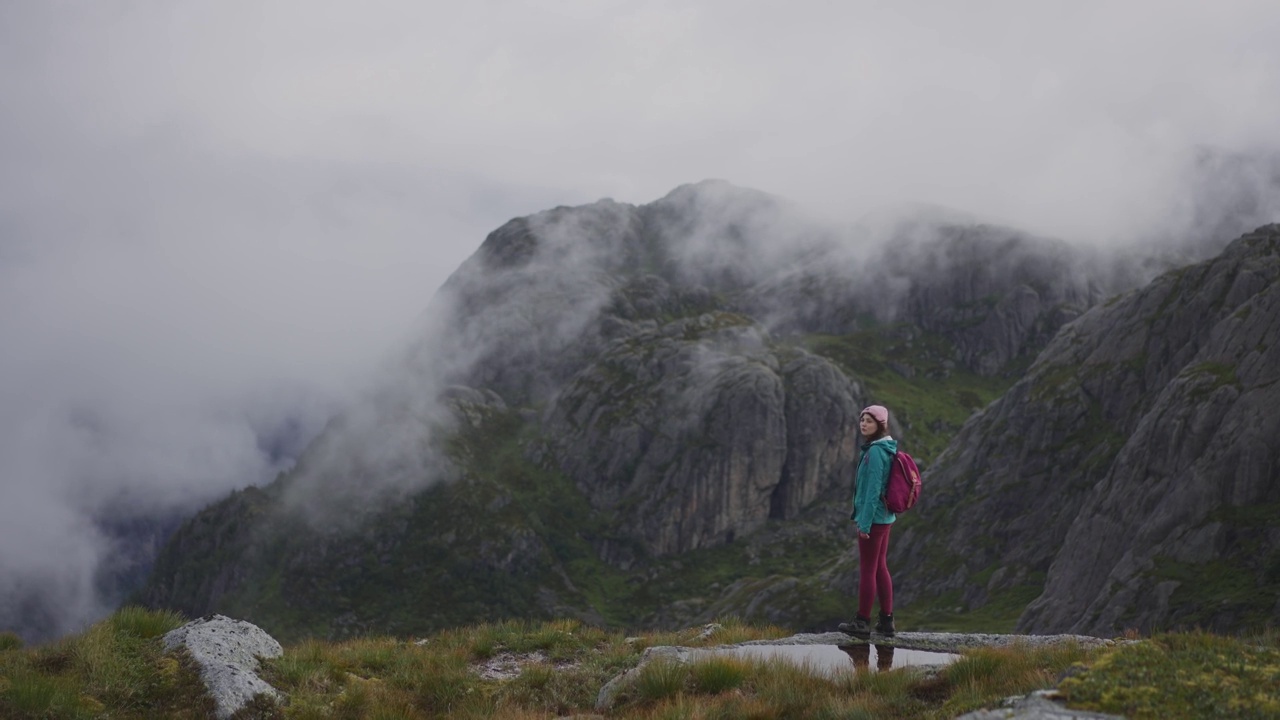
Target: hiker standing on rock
pixel 873 521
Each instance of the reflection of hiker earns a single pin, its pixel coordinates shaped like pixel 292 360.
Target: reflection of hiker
pixel 873 521
pixel 860 653
pixel 884 657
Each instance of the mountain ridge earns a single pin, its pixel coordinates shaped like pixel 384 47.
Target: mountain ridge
pixel 634 429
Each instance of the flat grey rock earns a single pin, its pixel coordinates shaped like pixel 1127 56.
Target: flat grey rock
pixel 227 652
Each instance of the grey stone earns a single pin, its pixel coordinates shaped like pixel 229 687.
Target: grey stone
pixel 227 653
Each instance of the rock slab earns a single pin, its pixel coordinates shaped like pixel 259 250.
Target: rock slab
pixel 227 652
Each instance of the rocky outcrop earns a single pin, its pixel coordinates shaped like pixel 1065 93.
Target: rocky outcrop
pixel 697 431
pixel 227 652
pixel 1133 471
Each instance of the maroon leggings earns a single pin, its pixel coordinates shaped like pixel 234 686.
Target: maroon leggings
pixel 874 577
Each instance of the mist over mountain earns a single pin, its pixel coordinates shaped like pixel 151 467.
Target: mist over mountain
pixel 550 300
pixel 643 415
pixel 710 347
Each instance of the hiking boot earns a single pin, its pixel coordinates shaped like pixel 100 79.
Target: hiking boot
pixel 885 626
pixel 858 627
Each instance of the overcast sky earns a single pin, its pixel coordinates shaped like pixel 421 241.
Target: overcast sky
pixel 218 215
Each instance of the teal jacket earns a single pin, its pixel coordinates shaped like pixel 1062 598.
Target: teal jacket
pixel 868 488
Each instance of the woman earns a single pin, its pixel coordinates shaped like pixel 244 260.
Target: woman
pixel 873 522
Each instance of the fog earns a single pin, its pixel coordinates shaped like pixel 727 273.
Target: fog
pixel 219 219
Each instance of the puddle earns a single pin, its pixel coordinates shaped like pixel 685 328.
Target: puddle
pixel 841 658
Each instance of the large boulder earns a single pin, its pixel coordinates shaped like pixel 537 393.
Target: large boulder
pixel 227 652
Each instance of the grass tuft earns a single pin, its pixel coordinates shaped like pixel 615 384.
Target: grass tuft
pixel 143 623
pixel 716 675
pixel 10 641
pixel 661 679
pixel 30 695
pixel 547 689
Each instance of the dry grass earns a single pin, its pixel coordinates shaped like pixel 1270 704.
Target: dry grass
pixel 118 669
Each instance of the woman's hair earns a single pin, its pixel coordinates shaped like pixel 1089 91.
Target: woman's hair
pixel 881 430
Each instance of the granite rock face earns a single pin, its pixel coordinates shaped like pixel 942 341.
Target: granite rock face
pixel 227 652
pixel 697 431
pixel 1132 470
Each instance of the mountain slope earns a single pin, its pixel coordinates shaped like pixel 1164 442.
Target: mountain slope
pixel 1132 477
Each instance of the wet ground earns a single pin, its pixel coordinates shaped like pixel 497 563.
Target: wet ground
pixel 831 659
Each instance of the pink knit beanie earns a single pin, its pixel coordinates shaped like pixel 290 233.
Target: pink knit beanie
pixel 879 412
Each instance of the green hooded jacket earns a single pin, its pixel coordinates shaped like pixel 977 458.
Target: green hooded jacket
pixel 868 487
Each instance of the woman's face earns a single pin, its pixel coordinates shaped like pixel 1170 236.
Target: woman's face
pixel 867 425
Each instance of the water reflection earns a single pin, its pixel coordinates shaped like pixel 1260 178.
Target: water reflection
pixel 833 658
pixel 861 655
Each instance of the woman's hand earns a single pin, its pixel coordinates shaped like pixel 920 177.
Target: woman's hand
pixel 864 536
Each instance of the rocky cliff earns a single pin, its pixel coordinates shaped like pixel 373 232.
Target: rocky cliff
pixel 606 397
pixel 1132 477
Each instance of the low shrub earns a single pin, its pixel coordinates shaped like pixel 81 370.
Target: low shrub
pixel 10 641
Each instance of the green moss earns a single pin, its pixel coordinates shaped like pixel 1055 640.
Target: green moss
pixel 933 402
pixel 1137 364
pixel 1178 277
pixel 1050 383
pixel 1253 515
pixel 1186 676
pixel 1207 377
pixel 1244 584
pixel 999 614
pixel 704 573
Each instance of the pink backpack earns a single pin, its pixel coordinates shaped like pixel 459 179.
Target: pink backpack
pixel 903 488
